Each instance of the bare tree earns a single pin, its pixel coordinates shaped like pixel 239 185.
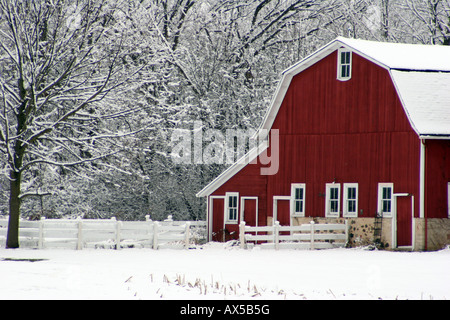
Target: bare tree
pixel 60 61
pixel 432 23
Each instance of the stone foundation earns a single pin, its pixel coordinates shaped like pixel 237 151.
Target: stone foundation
pixel 438 234
pixel 361 230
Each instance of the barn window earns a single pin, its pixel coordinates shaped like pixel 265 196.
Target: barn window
pixel 385 199
pixel 231 207
pixel 350 206
pixel 298 199
pixel 332 199
pixel 344 71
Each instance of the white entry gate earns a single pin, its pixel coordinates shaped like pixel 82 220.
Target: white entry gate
pixel 305 236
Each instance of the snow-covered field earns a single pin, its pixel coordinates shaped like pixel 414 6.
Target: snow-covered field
pixel 220 271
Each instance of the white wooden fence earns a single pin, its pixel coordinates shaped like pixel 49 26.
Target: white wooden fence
pixel 79 234
pixel 305 236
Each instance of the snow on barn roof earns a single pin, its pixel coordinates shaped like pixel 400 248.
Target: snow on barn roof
pixel 402 55
pixel 420 73
pixel 426 98
pixel 432 61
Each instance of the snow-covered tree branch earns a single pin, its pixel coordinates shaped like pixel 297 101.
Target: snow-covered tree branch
pixel 61 76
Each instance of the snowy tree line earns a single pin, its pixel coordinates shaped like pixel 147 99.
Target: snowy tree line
pixel 91 90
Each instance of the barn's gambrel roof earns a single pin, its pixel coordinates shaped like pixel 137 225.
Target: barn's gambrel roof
pixel 411 66
pixel 420 73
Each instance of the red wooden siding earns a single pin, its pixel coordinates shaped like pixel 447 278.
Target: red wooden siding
pixel 250 212
pixel 217 210
pixel 404 222
pixel 317 103
pixel 345 132
pixel 437 177
pixel 283 212
pixel 249 183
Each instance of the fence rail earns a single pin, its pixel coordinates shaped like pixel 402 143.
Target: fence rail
pixel 79 234
pixel 305 236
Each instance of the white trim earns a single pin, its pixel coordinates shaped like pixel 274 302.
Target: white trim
pixel 227 219
pixel 295 186
pixel 339 76
pixel 448 199
pixel 243 208
pixel 250 157
pixel 422 179
pixel 402 101
pixel 435 137
pixel 345 212
pixel 275 208
pixel 328 212
pixel 394 220
pixel 380 195
pixel 210 216
pixel 413 222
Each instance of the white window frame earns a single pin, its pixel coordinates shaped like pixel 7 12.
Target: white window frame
pixel 328 199
pixel 294 187
pixel 380 199
pixel 448 199
pixel 227 219
pixel 347 64
pixel 346 200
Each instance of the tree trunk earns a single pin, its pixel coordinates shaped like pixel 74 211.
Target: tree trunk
pixel 12 240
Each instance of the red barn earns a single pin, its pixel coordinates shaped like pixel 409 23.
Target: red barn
pixel 363 133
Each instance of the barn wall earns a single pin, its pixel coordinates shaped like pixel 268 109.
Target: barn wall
pixel 345 132
pixel 437 178
pixel 249 183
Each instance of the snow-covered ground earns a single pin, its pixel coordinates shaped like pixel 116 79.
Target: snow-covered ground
pixel 220 271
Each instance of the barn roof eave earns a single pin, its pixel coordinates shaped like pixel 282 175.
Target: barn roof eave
pixel 232 170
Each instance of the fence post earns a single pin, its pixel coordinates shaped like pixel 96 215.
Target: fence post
pixel 187 235
pixel 41 233
pixel 312 235
pixel 155 235
pixel 242 234
pixel 80 234
pixel 276 233
pixel 118 231
pixel 149 227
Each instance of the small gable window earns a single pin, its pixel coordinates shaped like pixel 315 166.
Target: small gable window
pixel 344 71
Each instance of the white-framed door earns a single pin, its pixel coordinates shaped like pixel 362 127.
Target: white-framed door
pixel 212 207
pixel 403 230
pixel 245 199
pixel 283 216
